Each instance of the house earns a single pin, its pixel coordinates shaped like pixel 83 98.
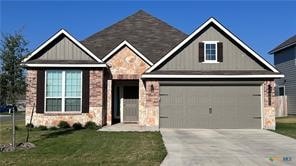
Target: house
pixel 285 61
pixel 142 70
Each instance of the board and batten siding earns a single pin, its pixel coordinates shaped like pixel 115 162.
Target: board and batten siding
pixel 64 49
pixel 285 61
pixel 233 57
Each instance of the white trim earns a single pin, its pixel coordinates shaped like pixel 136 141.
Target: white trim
pixel 262 105
pixel 131 47
pixel 205 52
pixel 65 65
pixel 62 31
pixel 282 86
pixel 63 90
pixel 121 103
pixel 211 76
pixel 63 96
pixel 212 20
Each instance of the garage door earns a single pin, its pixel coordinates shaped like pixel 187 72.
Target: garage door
pixel 217 106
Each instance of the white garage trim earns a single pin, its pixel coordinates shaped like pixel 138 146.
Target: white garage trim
pixel 212 76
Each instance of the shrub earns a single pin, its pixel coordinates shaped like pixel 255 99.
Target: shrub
pixel 29 125
pixel 53 128
pixel 41 127
pixel 64 125
pixel 91 125
pixel 77 126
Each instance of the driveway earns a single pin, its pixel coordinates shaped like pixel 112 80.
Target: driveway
pixel 227 147
pixel 18 116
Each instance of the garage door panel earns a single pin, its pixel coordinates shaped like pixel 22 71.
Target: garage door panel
pixel 189 106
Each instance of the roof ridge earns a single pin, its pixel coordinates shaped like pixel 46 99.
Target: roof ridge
pixel 141 11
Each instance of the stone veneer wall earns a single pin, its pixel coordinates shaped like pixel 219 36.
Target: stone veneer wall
pixel 52 119
pixel 151 116
pixel 269 110
pixel 126 65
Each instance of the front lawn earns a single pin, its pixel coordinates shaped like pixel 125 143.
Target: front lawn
pixel 84 147
pixel 286 126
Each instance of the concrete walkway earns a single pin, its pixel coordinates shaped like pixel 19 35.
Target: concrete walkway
pixel 128 127
pixel 227 147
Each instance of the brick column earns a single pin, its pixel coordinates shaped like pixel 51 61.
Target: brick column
pixel 269 106
pixel 152 103
pixel 31 90
pixel 109 102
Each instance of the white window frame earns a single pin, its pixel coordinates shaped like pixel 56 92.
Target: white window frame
pixel 63 93
pixel 282 86
pixel 216 52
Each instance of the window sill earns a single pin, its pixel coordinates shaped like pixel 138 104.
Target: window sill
pixel 62 113
pixel 210 62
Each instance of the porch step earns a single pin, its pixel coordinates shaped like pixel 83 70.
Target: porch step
pixel 128 127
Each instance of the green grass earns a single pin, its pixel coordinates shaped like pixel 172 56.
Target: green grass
pixel 286 126
pixel 84 147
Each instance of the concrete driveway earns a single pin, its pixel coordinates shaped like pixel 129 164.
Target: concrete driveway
pixel 227 147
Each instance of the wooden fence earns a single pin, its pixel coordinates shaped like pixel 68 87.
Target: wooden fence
pixel 281 106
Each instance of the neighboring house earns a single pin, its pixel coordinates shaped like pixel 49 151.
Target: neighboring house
pixel 285 61
pixel 142 70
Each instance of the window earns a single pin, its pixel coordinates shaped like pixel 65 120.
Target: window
pixel 281 90
pixel 210 51
pixel 63 91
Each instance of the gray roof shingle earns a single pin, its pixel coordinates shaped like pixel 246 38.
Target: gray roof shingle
pixel 149 35
pixel 291 41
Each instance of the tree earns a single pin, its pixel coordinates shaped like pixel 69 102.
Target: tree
pixel 13 48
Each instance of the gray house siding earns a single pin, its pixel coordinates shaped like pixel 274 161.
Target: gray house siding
pixel 63 49
pixel 233 57
pixel 285 61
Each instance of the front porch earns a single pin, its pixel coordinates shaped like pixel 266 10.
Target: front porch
pixel 128 127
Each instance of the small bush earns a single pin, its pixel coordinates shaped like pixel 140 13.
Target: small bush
pixel 53 128
pixel 77 126
pixel 91 125
pixel 29 125
pixel 64 125
pixel 16 127
pixel 41 127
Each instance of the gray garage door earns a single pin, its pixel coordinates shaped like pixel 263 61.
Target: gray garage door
pixel 217 106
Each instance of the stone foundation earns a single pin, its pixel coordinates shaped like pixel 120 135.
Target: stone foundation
pixel 53 119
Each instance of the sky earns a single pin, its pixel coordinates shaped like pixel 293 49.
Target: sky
pixel 261 25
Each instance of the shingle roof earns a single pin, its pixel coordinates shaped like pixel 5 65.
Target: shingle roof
pixel 291 41
pixel 149 35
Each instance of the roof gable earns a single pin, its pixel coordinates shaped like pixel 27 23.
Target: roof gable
pixel 222 28
pixel 68 39
pixel 149 35
pixel 121 45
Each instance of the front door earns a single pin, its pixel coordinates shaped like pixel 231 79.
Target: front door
pixel 130 104
pixel 126 103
